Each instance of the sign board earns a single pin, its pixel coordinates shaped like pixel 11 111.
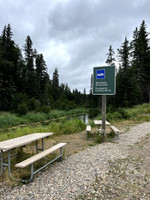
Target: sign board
pixel 104 81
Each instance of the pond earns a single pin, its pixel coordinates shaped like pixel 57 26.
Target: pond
pixel 83 117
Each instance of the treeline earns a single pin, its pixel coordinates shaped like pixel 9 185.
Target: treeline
pixel 133 76
pixel 25 83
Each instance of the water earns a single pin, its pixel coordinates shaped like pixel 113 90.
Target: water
pixel 84 118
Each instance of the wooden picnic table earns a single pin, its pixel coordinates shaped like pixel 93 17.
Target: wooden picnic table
pixel 99 122
pixel 14 143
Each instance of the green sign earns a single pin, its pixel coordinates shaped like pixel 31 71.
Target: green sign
pixel 104 81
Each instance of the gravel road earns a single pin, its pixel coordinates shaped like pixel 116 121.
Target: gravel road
pixel 75 174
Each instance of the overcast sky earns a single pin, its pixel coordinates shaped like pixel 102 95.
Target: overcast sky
pixel 74 35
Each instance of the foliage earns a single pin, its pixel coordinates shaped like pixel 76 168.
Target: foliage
pixel 59 128
pixel 22 109
pixel 25 80
pixel 11 119
pixel 93 112
pixel 129 113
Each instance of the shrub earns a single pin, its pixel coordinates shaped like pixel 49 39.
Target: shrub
pixel 46 109
pixel 34 104
pixel 73 126
pixel 22 109
pixel 93 112
pixel 99 138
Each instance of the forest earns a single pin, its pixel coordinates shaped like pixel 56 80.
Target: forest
pixel 25 84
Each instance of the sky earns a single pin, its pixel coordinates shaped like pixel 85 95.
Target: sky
pixel 74 35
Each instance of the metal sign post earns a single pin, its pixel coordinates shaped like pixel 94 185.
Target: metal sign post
pixel 104 83
pixel 104 116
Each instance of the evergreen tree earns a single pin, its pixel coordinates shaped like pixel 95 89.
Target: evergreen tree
pixel 42 79
pixel 31 84
pixel 55 84
pixel 127 89
pixel 141 60
pixel 110 59
pixel 124 55
pixel 7 68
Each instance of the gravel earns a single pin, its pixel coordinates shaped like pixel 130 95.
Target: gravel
pixel 75 174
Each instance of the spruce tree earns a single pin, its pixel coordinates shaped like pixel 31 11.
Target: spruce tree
pixel 31 84
pixel 110 56
pixel 55 84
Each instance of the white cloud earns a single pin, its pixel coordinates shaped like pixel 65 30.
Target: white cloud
pixel 74 36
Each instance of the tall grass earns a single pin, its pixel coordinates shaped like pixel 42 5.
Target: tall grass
pixel 129 113
pixel 10 119
pixel 59 128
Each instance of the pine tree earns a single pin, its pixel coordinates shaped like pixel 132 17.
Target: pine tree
pixel 7 67
pixel 31 84
pixel 141 60
pixel 55 84
pixel 110 59
pixel 124 55
pixel 42 79
pixel 127 89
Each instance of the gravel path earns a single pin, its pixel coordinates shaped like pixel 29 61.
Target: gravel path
pixel 75 174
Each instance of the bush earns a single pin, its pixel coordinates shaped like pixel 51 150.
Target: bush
pixel 93 112
pixel 123 113
pixel 34 104
pixel 99 138
pixel 46 109
pixel 73 126
pixel 22 109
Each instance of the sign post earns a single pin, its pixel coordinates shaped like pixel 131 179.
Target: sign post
pixel 104 83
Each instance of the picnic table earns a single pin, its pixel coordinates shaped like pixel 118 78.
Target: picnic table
pixel 8 145
pixel 99 122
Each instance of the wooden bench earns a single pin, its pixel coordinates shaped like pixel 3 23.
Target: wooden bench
pixel 33 159
pixel 115 130
pixel 88 130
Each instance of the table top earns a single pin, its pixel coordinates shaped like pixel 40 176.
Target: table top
pixel 23 140
pixel 99 122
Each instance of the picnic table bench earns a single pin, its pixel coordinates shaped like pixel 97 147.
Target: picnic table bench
pixel 8 145
pixel 30 161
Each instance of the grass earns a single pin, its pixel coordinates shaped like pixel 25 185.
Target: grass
pixel 59 128
pixel 8 119
pixel 139 113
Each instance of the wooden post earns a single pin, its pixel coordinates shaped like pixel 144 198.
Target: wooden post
pixel 104 116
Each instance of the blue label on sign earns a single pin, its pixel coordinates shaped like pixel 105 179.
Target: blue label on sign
pixel 100 74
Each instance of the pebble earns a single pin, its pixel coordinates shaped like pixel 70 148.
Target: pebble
pixel 75 174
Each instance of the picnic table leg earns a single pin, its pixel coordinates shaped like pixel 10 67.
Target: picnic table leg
pixel 61 153
pixel 2 167
pixel 36 146
pixel 9 164
pixel 42 144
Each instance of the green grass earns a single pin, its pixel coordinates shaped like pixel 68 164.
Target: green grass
pixel 138 112
pixel 8 119
pixel 59 128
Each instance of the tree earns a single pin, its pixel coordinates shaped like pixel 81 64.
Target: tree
pixel 55 84
pixel 7 67
pixel 127 89
pixel 110 59
pixel 31 84
pixel 124 55
pixel 141 60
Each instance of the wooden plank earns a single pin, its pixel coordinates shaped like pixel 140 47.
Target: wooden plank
pixel 23 140
pixel 114 129
pixel 99 122
pixel 39 155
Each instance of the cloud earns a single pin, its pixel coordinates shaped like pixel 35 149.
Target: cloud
pixel 74 36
